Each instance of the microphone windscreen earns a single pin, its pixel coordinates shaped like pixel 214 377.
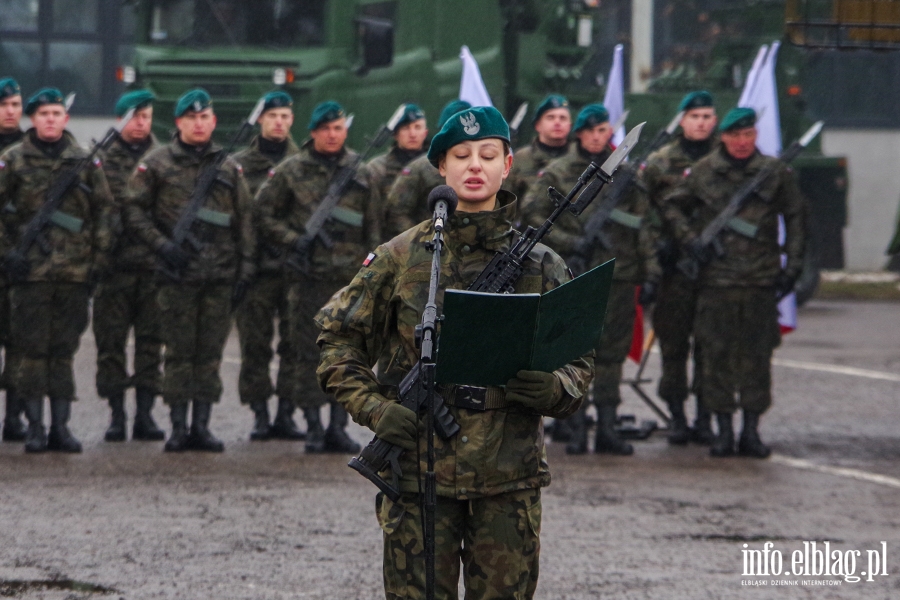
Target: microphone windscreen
pixel 445 193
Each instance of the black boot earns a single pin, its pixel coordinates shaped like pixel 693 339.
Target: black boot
pixel 607 440
pixel 577 425
pixel 261 430
pixel 35 437
pixel 116 430
pixel 178 440
pixel 315 435
pixel 702 432
pixel 723 445
pixel 679 433
pixel 284 427
pixel 145 428
pixel 201 437
pixel 13 427
pixel 60 438
pixel 750 444
pixel 336 438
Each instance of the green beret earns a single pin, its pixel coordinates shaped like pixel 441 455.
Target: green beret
pixel 277 99
pixel 738 118
pixel 549 103
pixel 411 113
pixel 326 112
pixel 43 97
pixel 591 116
pixel 9 87
pixel 135 99
pixel 469 124
pixel 699 99
pixel 452 107
pixel 196 100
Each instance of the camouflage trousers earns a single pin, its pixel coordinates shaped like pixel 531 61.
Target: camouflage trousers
pixel 496 539
pixel 123 301
pixel 9 358
pixel 46 323
pixel 265 301
pixel 737 327
pixel 305 298
pixel 673 322
pixel 615 342
pixel 195 320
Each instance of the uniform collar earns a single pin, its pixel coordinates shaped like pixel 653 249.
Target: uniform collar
pixel 551 151
pixel 723 163
pixel 488 229
pixel 180 149
pixel 70 151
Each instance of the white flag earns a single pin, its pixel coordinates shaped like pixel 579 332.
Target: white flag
pixel 471 86
pixel 614 100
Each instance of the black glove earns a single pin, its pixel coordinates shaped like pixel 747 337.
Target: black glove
pixel 535 389
pixel 174 256
pixel 398 425
pixel 701 253
pixel 16 265
pixel 649 290
pixel 238 292
pixel 784 285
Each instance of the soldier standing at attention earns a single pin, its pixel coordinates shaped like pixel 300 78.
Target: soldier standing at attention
pixel 284 205
pixel 126 297
pixel 266 300
pixel 632 247
pixel 490 475
pixel 198 287
pixel 739 291
pixel 673 315
pixel 10 133
pixel 51 280
pixel 552 122
pixel 406 204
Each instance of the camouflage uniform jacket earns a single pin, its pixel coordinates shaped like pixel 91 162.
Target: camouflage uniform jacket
pixel 407 201
pixel 26 173
pixel 383 170
pixel 10 139
pixel 528 161
pixel 294 190
pixel 496 451
pixel 158 193
pixel 119 161
pixel 628 229
pixel 749 260
pixel 256 167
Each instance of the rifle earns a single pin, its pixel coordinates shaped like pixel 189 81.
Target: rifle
pixel 607 210
pixel 194 210
pixel 300 252
pixel 709 237
pixel 498 277
pixel 49 214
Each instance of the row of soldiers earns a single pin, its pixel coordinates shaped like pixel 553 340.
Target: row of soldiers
pixel 253 224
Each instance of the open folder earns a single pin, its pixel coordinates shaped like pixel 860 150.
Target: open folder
pixel 485 339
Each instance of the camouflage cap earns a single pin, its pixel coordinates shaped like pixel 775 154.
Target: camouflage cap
pixel 549 103
pixel 591 116
pixel 326 112
pixel 277 99
pixel 196 100
pixel 9 87
pixel 411 113
pixel 43 97
pixel 134 99
pixel 467 125
pixel 450 109
pixel 738 118
pixel 698 99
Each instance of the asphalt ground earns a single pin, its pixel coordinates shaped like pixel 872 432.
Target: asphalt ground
pixel 264 520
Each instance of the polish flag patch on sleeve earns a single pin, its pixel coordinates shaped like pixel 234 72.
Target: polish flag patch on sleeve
pixel 686 172
pixel 97 162
pixel 142 168
pixel 2 165
pixel 369 259
pixel 271 173
pixel 405 171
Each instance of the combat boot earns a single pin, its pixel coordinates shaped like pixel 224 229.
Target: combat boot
pixel 315 435
pixel 577 425
pixel 116 430
pixel 201 438
pixel 750 444
pixel 679 433
pixel 13 427
pixel 723 445
pixel 145 428
pixel 607 440
pixel 35 437
pixel 178 440
pixel 261 430
pixel 284 427
pixel 336 438
pixel 702 432
pixel 60 438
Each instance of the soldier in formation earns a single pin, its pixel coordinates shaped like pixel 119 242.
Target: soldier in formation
pixel 552 123
pixel 266 299
pixel 126 297
pixel 51 274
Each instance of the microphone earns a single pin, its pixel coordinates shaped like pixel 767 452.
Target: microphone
pixel 442 201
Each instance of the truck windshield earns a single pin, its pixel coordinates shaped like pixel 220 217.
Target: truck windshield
pixel 275 23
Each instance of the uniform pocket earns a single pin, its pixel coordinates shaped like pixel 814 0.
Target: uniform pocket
pixel 390 514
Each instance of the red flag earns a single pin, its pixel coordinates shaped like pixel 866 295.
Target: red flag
pixel 637 338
